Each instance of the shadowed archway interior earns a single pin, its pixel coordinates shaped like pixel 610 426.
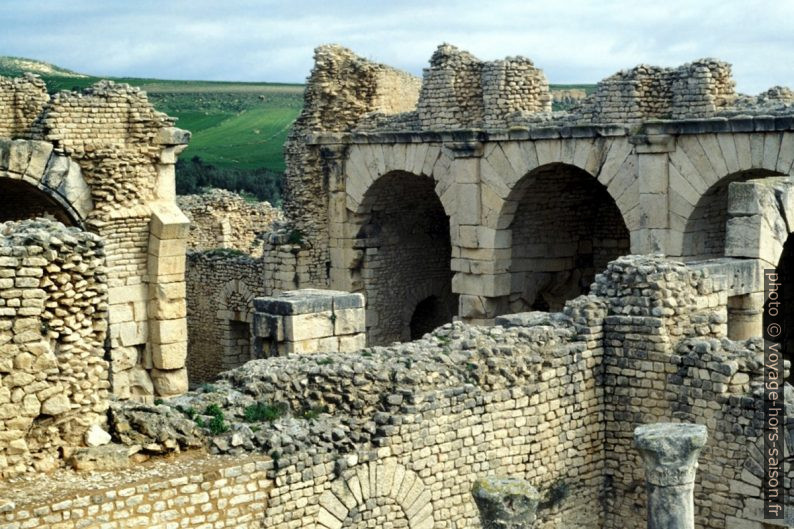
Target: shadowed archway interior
pixel 406 258
pixel 565 229
pixel 21 200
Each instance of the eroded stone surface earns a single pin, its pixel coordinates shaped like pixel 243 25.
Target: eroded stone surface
pixel 505 503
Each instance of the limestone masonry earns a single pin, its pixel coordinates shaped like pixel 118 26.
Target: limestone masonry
pixel 103 160
pixel 466 287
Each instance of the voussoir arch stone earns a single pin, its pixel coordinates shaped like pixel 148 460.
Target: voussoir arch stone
pixel 386 480
pixel 57 176
pixel 236 286
pixel 367 164
pixel 624 194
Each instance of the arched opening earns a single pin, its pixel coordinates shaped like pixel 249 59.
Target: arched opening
pixel 429 314
pixel 565 229
pixel 22 200
pixel 406 248
pixel 704 233
pixel 785 280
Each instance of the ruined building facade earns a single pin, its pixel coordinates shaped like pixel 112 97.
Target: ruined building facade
pixel 103 161
pixel 463 196
pixel 479 201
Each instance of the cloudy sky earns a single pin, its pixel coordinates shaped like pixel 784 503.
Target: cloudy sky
pixel 262 40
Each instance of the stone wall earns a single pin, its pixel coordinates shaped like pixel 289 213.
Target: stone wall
pixel 194 493
pixel 21 102
pixel 460 91
pixel 402 432
pixel 698 89
pixel 53 322
pixel 220 307
pixel 221 286
pixel 222 219
pixel 342 88
pixel 103 159
pixel 399 434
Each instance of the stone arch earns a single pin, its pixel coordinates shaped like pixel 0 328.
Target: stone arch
pixel 424 318
pixel 403 239
pixel 235 316
pixel 396 492
pixel 366 164
pixel 38 182
pixel 704 233
pixel 565 227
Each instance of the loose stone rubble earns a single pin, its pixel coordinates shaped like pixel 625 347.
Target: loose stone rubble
pixel 222 219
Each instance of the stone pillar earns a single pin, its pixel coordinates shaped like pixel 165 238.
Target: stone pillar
pixel 653 235
pixel 745 316
pixel 670 452
pixel 505 503
pixel 309 321
pixel 168 232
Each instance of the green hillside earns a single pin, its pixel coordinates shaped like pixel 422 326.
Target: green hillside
pixel 234 125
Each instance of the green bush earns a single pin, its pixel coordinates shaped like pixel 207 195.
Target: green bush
pixel 264 412
pixel 194 175
pixel 217 424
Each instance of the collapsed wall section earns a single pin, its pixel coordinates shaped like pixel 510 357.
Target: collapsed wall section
pixel 698 89
pixel 222 219
pixel 21 102
pixel 459 91
pixel 53 320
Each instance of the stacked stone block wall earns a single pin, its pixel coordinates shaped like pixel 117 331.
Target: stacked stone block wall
pixel 648 346
pixel 698 89
pixel 103 159
pixel 460 91
pixel 21 102
pixel 53 319
pixel 221 219
pixel 221 493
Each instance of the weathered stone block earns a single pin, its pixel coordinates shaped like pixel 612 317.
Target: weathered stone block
pixel 169 383
pixel 349 321
pixel 169 355
pixel 301 327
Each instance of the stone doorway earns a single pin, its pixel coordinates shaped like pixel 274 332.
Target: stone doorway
pixel 405 242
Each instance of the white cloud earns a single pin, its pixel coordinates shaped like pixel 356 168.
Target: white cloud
pixel 573 41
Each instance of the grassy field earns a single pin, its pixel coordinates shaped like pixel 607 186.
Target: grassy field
pixel 234 125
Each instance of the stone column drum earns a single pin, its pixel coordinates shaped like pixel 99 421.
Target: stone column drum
pixel 505 503
pixel 670 452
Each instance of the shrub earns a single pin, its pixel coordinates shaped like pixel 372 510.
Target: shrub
pixel 264 412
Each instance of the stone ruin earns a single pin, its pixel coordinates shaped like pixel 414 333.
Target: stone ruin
pixel 563 278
